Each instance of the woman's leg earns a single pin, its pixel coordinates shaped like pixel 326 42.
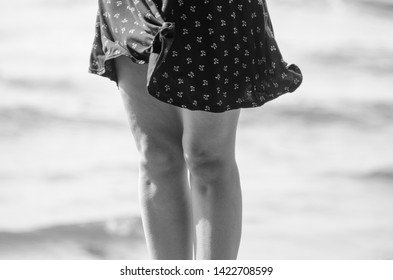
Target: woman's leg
pixel 163 183
pixel 209 147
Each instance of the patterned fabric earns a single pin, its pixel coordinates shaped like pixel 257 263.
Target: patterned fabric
pixel 211 55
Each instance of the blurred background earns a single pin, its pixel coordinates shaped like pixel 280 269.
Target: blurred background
pixel 316 165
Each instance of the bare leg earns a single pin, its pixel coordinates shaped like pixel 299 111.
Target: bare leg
pixel 163 184
pixel 209 145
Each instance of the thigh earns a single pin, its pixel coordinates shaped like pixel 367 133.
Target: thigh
pixel 153 122
pixel 208 134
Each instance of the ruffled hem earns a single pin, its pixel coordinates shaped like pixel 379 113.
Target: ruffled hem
pixel 108 68
pixel 108 45
pixel 217 109
pixel 214 76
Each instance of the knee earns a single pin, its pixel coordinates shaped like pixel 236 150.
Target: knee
pixel 158 161
pixel 208 164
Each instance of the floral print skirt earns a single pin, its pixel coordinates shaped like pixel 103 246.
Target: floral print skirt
pixel 210 55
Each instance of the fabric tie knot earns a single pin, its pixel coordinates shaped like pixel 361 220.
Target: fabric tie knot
pixel 164 37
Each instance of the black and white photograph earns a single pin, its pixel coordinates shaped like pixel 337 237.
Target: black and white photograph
pixel 196 130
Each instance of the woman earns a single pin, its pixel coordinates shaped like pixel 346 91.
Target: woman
pixel 204 60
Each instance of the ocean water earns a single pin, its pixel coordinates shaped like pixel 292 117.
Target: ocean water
pixel 316 165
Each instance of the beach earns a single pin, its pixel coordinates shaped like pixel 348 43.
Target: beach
pixel 316 165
